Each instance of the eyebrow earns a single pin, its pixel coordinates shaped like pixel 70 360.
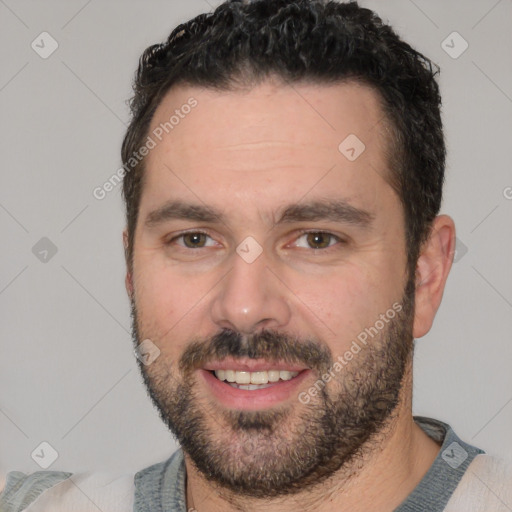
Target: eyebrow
pixel 326 210
pixel 183 211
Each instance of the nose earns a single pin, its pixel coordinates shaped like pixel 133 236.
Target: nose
pixel 250 297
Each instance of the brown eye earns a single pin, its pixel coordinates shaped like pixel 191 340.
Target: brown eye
pixel 319 240
pixel 194 240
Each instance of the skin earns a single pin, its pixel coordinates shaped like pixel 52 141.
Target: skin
pixel 248 154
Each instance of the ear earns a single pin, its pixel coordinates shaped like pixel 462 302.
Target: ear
pixel 434 264
pixel 128 281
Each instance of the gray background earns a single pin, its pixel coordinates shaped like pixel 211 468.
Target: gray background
pixel 68 375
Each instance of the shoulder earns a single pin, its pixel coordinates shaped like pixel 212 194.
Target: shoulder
pixel 162 486
pixel 20 490
pixel 486 485
pixel 174 465
pixel 62 491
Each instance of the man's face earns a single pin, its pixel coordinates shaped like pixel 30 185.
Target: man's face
pixel 239 266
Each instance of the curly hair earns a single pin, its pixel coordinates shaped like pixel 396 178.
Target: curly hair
pixel 244 42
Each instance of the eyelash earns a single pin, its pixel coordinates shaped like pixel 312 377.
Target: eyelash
pixel 301 233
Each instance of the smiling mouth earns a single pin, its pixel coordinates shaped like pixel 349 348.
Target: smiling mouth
pixel 253 380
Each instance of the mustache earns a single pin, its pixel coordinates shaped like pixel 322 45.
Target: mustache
pixel 266 344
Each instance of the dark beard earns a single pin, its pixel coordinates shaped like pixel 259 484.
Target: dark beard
pixel 270 453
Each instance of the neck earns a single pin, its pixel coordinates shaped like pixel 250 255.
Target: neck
pixel 392 463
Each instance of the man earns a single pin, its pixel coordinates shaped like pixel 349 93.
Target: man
pixel 283 178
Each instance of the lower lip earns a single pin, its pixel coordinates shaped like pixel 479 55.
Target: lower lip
pixel 235 398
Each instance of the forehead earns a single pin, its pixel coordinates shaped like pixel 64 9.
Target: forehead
pixel 274 134
pixel 281 112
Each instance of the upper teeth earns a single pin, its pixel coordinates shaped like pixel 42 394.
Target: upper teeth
pixel 254 377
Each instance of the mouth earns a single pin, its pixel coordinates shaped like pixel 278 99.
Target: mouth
pixel 252 385
pixel 254 380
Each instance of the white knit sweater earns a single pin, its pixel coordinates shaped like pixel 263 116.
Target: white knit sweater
pixel 485 487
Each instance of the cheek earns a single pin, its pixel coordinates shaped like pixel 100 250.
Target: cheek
pixel 161 302
pixel 153 290
pixel 343 304
pixel 169 305
pixel 341 301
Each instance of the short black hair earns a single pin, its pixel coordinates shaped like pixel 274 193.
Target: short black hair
pixel 243 42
